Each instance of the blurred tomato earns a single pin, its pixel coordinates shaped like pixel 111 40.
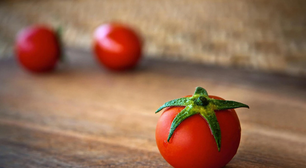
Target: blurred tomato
pixel 37 48
pixel 117 46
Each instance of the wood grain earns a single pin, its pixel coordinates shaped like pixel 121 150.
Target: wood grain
pixel 85 116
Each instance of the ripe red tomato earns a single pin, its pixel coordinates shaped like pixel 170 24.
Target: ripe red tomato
pixel 192 143
pixel 117 46
pixel 37 48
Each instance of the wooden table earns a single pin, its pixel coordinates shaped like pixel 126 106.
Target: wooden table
pixel 84 116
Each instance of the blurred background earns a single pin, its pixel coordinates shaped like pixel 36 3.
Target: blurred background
pixel 262 35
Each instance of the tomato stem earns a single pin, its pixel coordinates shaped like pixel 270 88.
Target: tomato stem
pixel 201 101
pixel 59 34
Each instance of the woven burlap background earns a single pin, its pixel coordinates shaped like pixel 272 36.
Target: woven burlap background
pixel 266 35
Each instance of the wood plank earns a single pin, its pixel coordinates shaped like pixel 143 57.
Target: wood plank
pixel 82 103
pixel 32 148
pixel 45 147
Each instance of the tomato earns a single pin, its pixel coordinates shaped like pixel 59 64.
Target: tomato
pixel 192 143
pixel 117 46
pixel 37 48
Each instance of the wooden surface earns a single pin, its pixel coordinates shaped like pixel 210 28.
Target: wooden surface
pixel 84 116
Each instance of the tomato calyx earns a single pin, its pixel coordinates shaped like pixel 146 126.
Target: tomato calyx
pixel 200 103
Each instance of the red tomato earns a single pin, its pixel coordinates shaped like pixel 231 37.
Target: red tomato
pixel 192 143
pixel 37 48
pixel 117 46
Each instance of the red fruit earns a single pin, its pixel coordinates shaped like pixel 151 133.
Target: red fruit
pixel 199 140
pixel 37 48
pixel 117 46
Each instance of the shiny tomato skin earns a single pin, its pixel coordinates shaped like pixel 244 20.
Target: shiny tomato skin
pixel 37 48
pixel 192 144
pixel 117 46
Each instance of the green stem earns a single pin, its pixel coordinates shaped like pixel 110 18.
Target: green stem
pixel 59 33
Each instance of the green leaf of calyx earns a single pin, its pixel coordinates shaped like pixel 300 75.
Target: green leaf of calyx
pixel 176 102
pixel 226 104
pixel 200 91
pixel 209 114
pixel 185 113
